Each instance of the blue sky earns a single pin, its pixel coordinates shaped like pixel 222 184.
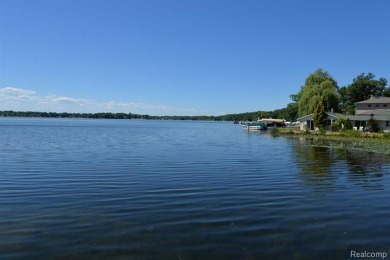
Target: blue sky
pixel 182 57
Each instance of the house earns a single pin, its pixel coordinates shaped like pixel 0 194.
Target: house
pixel 375 108
pixel 306 122
pixel 379 106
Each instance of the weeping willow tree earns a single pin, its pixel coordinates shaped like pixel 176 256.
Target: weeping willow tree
pixel 319 86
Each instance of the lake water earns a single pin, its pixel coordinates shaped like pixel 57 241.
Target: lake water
pixel 140 189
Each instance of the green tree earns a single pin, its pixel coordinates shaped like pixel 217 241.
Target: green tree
pixel 292 111
pixel 295 97
pixel 319 116
pixel 319 86
pixel 362 88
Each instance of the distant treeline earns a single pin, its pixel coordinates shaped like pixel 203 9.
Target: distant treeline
pixel 287 113
pixel 11 113
pixel 107 115
pixel 250 116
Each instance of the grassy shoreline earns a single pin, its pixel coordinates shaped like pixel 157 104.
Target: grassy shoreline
pixel 349 140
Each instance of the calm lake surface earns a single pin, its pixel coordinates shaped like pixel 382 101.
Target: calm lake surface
pixel 140 189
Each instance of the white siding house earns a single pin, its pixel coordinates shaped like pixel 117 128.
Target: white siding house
pixel 306 122
pixel 376 108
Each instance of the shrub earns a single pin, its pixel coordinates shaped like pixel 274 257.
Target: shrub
pixel 341 123
pixel 373 125
pixel 334 127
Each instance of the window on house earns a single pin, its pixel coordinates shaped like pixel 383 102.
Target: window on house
pixel 369 105
pixel 377 105
pixel 387 124
pixel 385 105
pixel 360 123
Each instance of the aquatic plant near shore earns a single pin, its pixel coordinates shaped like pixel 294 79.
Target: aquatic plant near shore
pixel 275 131
pixel 386 135
pixel 351 133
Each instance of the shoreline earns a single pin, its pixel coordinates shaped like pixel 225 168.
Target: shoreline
pixel 349 140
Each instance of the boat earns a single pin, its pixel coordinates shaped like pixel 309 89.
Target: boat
pixel 255 125
pixel 273 122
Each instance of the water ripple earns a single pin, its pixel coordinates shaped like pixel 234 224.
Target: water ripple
pixel 156 189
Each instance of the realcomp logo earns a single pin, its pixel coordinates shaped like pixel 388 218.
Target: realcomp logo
pixel 366 254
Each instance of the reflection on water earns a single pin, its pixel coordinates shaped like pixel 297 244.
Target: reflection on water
pixel 321 162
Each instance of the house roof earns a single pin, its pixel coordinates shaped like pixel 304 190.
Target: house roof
pixel 367 117
pixel 337 115
pixel 378 100
pixel 375 112
pixel 272 120
pixel 330 114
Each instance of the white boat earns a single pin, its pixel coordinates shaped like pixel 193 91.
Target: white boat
pixel 255 125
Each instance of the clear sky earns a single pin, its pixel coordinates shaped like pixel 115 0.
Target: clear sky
pixel 175 57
